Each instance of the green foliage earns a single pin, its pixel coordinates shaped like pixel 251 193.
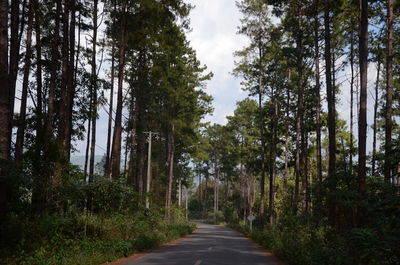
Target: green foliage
pixel 308 240
pixel 86 239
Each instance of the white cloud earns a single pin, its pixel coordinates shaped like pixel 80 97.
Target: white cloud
pixel 214 38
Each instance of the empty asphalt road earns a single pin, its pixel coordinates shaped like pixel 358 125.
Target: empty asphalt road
pixel 210 245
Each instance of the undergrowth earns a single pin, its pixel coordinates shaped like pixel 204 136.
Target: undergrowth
pixel 86 239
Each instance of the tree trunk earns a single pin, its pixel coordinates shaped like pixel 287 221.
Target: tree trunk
pixel 110 113
pixel 170 174
pixel 85 168
pixel 5 107
pixel 351 101
pixel 262 133
pixel 375 115
pixel 330 93
pixel 64 103
pixel 132 154
pixel 94 91
pixel 22 116
pixel 39 86
pixel 389 91
pixel 286 174
pixel 38 188
pixel 14 58
pixel 71 82
pixel 271 203
pixel 299 166
pixel 331 111
pixel 262 183
pixel 116 147
pixel 317 93
pixel 362 130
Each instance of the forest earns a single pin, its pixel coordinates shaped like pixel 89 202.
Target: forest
pixel 322 181
pixel 323 184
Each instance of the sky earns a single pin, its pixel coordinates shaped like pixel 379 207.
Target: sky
pixel 214 25
pixel 214 36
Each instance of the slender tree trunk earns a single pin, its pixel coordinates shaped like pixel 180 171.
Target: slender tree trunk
pixel 170 174
pixel 351 100
pixel 14 57
pixel 300 151
pixel 262 132
pixel 317 92
pixel 375 116
pixel 94 91
pixel 132 154
pixel 63 106
pixel 286 174
pixel 78 48
pixel 38 185
pixel 5 107
pixel 271 203
pixel 71 82
pixel 389 92
pixel 116 147
pixel 85 168
pixel 107 168
pixel 51 100
pixel 362 130
pixel 331 110
pixel 39 86
pixel 306 181
pixel 126 152
pixel 22 116
pixel 142 122
pixel 110 112
pixel 330 93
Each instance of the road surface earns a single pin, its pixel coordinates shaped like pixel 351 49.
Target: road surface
pixel 210 245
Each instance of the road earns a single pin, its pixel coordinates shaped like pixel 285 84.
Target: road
pixel 210 245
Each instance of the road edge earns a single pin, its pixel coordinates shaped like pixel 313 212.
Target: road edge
pixel 265 251
pixel 138 255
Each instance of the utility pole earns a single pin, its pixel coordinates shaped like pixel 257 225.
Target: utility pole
pixel 148 180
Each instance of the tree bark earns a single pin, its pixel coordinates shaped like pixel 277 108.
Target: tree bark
pixel 5 107
pixel 362 130
pixel 375 115
pixel 317 93
pixel 286 174
pixel 14 58
pixel 64 103
pixel 262 134
pixel 85 168
pixel 116 147
pixel 272 169
pixel 351 101
pixel 330 93
pixel 170 173
pixel 71 82
pixel 94 92
pixel 132 153
pixel 39 86
pixel 331 111
pixel 22 116
pixel 110 113
pixel 389 92
pixel 300 151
